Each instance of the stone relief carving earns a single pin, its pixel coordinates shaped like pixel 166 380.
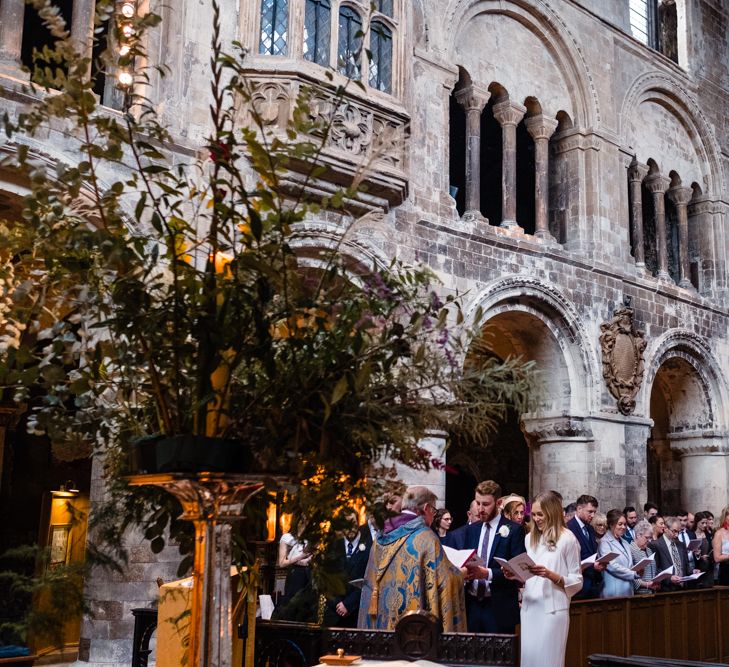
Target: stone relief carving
pixel 271 101
pixel 554 429
pixel 622 358
pixel 351 128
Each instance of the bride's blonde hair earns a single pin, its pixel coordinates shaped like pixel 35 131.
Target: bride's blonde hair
pixel 551 505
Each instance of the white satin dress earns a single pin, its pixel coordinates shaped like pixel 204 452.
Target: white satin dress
pixel 545 609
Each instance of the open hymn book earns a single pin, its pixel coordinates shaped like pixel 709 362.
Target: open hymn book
pixel 463 557
pixel 518 566
pixel 591 560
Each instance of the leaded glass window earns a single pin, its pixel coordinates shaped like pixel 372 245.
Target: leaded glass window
pixel 381 57
pixel 383 6
pixel 349 46
pixel 274 27
pixel 317 31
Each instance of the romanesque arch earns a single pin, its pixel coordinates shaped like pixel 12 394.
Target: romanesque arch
pixel 527 318
pixel 685 395
pixel 553 37
pixel 656 88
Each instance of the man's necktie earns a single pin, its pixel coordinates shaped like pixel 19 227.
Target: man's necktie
pixel 678 570
pixel 586 533
pixel 350 549
pixel 481 587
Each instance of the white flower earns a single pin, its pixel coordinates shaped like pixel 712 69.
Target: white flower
pixel 361 547
pixel 504 531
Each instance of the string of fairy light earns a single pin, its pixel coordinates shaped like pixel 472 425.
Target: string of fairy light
pixel 127 34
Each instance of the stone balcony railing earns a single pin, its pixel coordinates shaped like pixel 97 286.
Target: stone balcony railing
pixel 366 139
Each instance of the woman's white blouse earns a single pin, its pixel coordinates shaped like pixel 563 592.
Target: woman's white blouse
pixel 564 559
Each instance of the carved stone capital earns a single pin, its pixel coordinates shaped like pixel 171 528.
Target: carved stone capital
pixel 542 430
pixel 700 206
pixel 698 443
pixel 622 358
pixel 473 97
pixel 637 171
pixel 509 113
pixel 541 126
pixel 657 184
pixel 680 196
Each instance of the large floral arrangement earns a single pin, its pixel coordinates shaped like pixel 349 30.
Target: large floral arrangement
pixel 172 300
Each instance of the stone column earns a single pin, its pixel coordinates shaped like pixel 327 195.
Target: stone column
pixel 11 31
pixel 704 469
pixel 681 197
pixel 561 455
pixel 658 185
pixel 82 26
pixel 636 173
pixel 541 129
pixel 508 114
pixel 700 211
pixel 473 99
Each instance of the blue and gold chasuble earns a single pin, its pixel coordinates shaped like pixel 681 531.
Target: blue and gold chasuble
pixel 408 570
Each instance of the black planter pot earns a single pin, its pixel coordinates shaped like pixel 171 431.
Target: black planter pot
pixel 188 454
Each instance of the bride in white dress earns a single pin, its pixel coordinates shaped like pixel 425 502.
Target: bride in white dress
pixel 545 609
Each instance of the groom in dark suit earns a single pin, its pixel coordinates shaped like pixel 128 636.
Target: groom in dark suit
pixel 492 603
pixel 585 534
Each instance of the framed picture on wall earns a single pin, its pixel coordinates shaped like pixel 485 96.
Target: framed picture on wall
pixel 59 543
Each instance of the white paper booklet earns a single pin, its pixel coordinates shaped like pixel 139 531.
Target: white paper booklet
pixel 666 574
pixel 518 565
pixel 642 563
pixel 463 557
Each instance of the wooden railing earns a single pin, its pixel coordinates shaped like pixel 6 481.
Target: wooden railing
pixel 689 625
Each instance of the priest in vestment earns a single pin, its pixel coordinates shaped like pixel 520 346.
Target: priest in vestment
pixel 408 571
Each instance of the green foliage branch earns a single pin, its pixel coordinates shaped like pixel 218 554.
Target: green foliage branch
pixel 145 293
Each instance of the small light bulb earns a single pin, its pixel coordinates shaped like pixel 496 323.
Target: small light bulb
pixel 128 29
pixel 125 78
pixel 124 49
pixel 127 9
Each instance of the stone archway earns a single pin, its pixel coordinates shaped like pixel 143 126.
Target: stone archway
pixel 688 446
pixel 548 449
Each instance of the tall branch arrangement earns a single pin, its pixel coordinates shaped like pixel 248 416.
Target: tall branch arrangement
pixel 144 294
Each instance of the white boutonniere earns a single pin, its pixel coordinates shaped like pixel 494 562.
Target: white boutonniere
pixel 504 531
pixel 361 547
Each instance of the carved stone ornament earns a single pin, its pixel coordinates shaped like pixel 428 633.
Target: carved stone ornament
pixel 622 358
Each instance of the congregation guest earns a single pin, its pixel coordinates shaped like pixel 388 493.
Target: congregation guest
pixel 514 511
pixel 408 570
pixel 348 561
pixel 545 614
pixel 631 519
pixel 569 512
pixel 685 535
pixel 492 602
pixel 720 544
pixel 649 509
pixel 599 523
pixel 659 525
pixel 704 556
pixel 671 553
pixel 691 521
pixel 639 549
pixel 295 556
pixel 618 578
pixel 710 528
pixel 442 522
pixel 580 525
pixel 472 513
pixel 393 507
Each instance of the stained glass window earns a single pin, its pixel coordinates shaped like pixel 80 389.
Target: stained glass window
pixel 317 31
pixel 349 45
pixel 383 6
pixel 381 57
pixel 274 27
